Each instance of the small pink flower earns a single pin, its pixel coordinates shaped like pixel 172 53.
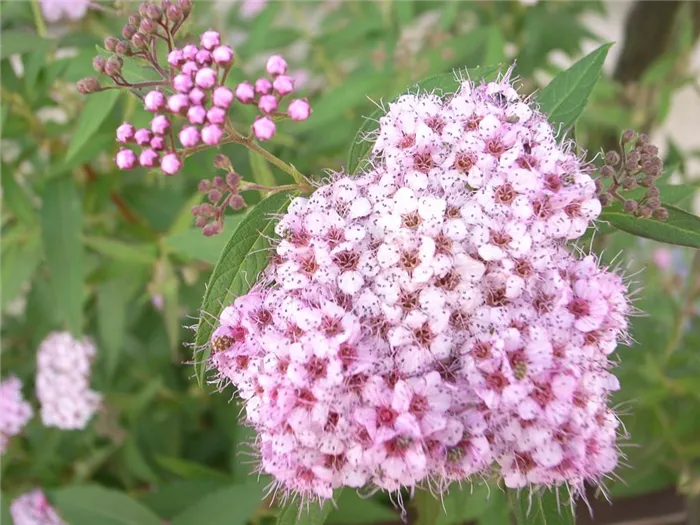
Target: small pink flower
pixel 222 55
pixel 299 109
pixel 205 78
pixel 158 143
pixel 178 103
pixel 143 136
pixel 183 83
pixel 189 136
pixel 154 101
pixel 216 115
pixel 283 84
pixel 125 133
pixel 197 115
pixel 190 68
pixel 148 158
pixel 245 92
pixel 203 57
pixel 267 104
pixel 170 164
pixel 197 97
pixel 210 39
pixel 263 86
pixel 276 65
pixel 125 159
pixel 160 125
pixel 176 58
pixel 189 52
pixel 211 134
pixel 264 128
pixel 222 97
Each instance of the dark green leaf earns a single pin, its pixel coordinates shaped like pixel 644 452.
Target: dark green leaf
pixel 92 504
pixel 243 258
pixel 232 505
pixel 428 508
pixel 355 510
pixel 445 83
pixel 20 42
pixel 464 503
pixel 542 509
pixel 5 516
pixel 62 223
pixel 565 97
pixel 19 262
pixel 313 514
pixel 191 470
pixel 93 114
pixel 122 251
pixel 681 228
pixel 16 199
pixel 113 299
pixel 170 500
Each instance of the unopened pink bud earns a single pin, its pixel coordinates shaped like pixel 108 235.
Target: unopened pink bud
pixel 160 124
pixel 203 57
pixel 197 97
pixel 299 109
pixel 125 133
pixel 158 143
pixel 245 92
pixel 143 137
pixel 210 39
pixel 205 78
pixel 211 229
pixel 222 97
pixel 148 158
pixel 216 115
pixel 276 65
pixel 211 134
pixel 170 164
pixel 263 86
pixel 283 84
pixel 222 55
pixel 125 159
pixel 154 101
pixel 176 58
pixel 264 128
pixel 190 68
pixel 189 136
pixel 183 83
pixel 178 103
pixel 189 52
pixel 196 114
pixel 267 104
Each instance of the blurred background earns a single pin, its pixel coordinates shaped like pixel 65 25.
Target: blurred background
pixel 132 271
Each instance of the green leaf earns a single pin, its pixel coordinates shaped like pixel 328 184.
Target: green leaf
pixel 354 510
pixel 428 508
pixel 464 503
pixel 445 83
pixel 5 516
pixel 92 504
pixel 681 227
pixel 232 505
pixel 172 499
pixel 62 223
pixel 93 114
pixel 18 265
pixel 243 258
pixel 122 251
pixel 15 42
pixel 313 514
pixel 542 509
pixel 15 197
pixel 565 97
pixel 193 244
pixel 113 299
pixel 191 470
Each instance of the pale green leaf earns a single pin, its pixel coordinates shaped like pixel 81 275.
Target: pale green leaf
pixel 18 42
pixel 262 174
pixel 122 251
pixel 19 262
pixel 356 510
pixel 92 115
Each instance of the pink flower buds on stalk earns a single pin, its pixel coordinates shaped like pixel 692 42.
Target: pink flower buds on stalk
pixel 222 193
pixel 424 321
pixel 15 412
pixel 63 381
pixel 32 508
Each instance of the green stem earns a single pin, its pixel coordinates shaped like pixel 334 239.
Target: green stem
pixel 38 19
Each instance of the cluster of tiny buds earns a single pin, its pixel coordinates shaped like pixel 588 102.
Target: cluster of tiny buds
pixel 636 165
pixel 222 193
pixel 139 39
pixel 267 93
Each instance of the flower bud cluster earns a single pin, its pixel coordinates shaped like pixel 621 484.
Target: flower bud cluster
pixel 424 322
pixel 63 381
pixel 32 508
pixel 267 93
pixel 222 193
pixel 15 412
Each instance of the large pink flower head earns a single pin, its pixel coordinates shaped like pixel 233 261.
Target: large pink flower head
pixel 15 412
pixel 32 508
pixel 63 381
pixel 424 321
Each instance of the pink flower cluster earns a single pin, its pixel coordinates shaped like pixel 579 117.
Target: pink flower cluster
pixel 55 10
pixel 15 412
pixel 33 508
pixel 267 94
pixel 63 381
pixel 424 322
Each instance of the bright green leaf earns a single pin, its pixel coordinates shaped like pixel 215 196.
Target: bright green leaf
pixel 243 258
pixel 565 97
pixel 122 251
pixel 20 42
pixel 548 508
pixel 681 227
pixel 62 223
pixel 92 504
pixel 93 114
pixel 355 510
pixel 313 514
pixel 232 505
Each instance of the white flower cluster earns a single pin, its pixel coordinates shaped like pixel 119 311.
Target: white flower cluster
pixel 15 412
